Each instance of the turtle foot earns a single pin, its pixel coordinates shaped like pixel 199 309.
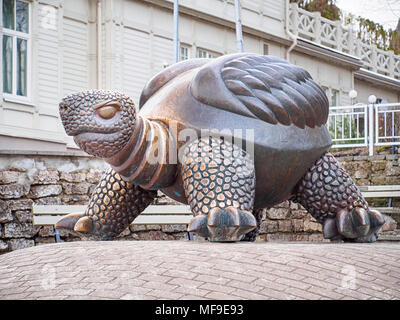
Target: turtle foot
pixel 75 221
pixel 223 225
pixel 356 225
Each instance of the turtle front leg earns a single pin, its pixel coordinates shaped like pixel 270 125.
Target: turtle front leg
pixel 331 196
pixel 219 183
pixel 113 206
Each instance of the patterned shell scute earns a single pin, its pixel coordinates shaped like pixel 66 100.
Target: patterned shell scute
pixel 272 90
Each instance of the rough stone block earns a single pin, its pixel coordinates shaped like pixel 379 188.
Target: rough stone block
pixel 298 214
pixel 23 215
pixel 268 226
pixel 378 165
pixel 39 241
pixel 390 224
pixel 3 246
pixel 311 226
pixel 284 225
pixel 137 227
pixel 94 176
pixel 298 225
pixel 23 204
pixel 76 188
pixel 15 244
pixel 154 235
pixel 317 237
pixel 360 174
pixel 392 180
pixel 13 191
pixel 75 199
pixel 48 200
pixel 273 237
pixel 92 188
pixel 173 228
pixel 73 176
pixel 5 212
pixel 377 179
pixel 46 231
pixel 41 191
pixel 9 176
pixel 277 213
pixel 392 170
pixel 284 204
pixel 19 230
pixel 46 177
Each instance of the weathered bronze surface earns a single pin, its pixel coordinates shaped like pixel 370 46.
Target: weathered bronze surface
pixel 227 136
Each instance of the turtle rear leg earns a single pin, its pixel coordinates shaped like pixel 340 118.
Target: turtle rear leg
pixel 219 183
pixel 252 235
pixel 331 196
pixel 113 206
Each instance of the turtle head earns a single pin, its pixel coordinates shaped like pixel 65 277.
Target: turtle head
pixel 101 122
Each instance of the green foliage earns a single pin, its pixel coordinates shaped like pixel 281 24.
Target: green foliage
pixel 374 33
pixel 346 128
pixel 367 30
pixel 327 8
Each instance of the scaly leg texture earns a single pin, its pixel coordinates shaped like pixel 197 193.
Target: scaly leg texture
pixel 219 182
pixel 252 235
pixel 113 206
pixel 331 196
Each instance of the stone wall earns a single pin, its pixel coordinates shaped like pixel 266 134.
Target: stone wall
pixel 51 179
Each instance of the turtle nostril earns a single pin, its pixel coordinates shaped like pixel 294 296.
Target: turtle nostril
pixel 63 107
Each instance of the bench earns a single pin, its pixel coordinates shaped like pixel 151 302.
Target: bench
pixel 389 191
pixel 384 191
pixel 48 215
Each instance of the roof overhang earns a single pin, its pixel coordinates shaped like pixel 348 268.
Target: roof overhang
pixel 328 54
pixel 377 79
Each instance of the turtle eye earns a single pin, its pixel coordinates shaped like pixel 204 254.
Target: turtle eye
pixel 107 112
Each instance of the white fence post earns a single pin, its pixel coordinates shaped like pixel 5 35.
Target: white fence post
pixel 371 129
pixel 317 27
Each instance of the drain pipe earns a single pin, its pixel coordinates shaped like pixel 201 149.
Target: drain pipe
pixel 292 36
pixel 176 31
pixel 99 45
pixel 238 23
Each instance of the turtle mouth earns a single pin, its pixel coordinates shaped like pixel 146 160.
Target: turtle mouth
pixel 102 145
pixel 93 135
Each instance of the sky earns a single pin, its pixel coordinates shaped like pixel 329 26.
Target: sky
pixel 385 12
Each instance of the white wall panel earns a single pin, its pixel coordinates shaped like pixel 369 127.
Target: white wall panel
pixel 75 56
pixel 48 56
pixel 136 57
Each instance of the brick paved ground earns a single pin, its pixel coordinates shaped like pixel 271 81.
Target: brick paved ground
pixel 201 270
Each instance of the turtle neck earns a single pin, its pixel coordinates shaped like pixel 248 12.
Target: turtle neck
pixel 144 159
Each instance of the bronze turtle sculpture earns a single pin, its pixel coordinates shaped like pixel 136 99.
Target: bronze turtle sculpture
pixel 228 136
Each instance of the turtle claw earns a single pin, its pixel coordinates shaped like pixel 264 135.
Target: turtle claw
pixel 78 222
pixel 199 225
pixel 357 225
pixel 223 225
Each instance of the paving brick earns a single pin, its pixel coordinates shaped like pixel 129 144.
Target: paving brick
pixel 161 294
pixel 201 270
pixel 213 279
pixel 222 296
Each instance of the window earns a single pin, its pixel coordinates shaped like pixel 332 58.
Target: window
pixel 334 97
pixel 16 44
pixel 183 53
pixel 265 49
pixel 201 53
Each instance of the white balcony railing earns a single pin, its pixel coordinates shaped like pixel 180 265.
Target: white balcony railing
pixel 348 126
pixel 332 34
pixel 365 125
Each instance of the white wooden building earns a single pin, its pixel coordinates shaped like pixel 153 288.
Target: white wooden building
pixel 51 48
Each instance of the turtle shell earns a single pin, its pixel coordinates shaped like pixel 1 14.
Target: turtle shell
pixel 274 108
